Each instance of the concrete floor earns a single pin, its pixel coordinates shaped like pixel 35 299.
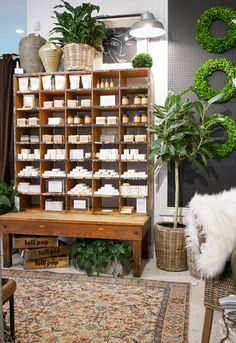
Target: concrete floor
pixel 197 310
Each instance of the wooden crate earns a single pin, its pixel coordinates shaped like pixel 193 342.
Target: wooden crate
pixel 35 254
pixel 45 263
pixel 34 242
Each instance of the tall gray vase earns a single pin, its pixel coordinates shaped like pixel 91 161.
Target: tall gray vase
pixel 29 57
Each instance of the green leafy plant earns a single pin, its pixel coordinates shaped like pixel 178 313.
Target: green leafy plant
pixel 142 60
pixel 77 25
pixel 182 132
pixel 7 197
pixel 216 44
pixel 93 255
pixel 202 85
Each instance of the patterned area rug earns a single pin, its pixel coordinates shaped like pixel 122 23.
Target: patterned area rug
pixel 71 308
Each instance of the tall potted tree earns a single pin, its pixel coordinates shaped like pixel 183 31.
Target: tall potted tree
pixel 182 132
pixel 80 34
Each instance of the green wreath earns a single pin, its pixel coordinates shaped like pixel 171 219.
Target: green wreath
pixel 216 44
pixel 229 125
pixel 201 83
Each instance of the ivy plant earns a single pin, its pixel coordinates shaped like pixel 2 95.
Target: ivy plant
pixel 77 25
pixel 7 197
pixel 94 255
pixel 181 134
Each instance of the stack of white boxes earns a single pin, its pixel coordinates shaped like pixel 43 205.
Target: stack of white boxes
pixel 108 154
pixel 133 174
pixel 26 187
pixel 76 154
pixel 54 205
pixel 106 173
pixel 107 190
pixel 132 155
pixel 80 172
pixel 55 154
pixel 28 155
pixel 55 172
pixel 29 171
pixel 81 189
pixel 133 190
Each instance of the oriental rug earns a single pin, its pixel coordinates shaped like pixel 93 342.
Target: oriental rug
pixel 71 308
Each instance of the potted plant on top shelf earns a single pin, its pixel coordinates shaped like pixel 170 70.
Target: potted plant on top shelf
pixel 80 34
pixel 182 132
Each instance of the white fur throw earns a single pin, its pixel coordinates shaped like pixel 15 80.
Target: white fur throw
pixel 214 218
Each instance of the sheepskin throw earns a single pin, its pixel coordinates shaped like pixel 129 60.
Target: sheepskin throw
pixel 212 218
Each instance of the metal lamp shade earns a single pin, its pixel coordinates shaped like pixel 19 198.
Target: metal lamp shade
pixel 147 27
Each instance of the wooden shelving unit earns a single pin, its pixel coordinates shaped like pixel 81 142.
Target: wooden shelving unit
pixel 32 150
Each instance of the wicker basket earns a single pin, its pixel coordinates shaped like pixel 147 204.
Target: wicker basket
pixel 191 260
pixel 79 56
pixel 217 288
pixel 170 247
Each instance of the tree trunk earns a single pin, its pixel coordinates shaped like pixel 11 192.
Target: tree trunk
pixel 176 195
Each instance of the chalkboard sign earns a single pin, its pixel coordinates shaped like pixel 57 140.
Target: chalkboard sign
pixel 185 56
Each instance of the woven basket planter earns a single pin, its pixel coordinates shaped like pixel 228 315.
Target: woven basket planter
pixel 191 259
pixel 79 56
pixel 170 247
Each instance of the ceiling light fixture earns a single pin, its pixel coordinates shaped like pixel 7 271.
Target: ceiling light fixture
pixel 147 27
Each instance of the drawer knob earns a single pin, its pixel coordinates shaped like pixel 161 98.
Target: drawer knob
pixel 135 232
pixel 5 226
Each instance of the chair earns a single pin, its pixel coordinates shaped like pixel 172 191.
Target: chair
pixel 215 288
pixel 8 289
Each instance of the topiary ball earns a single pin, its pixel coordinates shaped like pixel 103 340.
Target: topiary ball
pixel 142 60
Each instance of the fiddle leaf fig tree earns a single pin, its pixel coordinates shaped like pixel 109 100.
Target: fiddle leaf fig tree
pixel 182 132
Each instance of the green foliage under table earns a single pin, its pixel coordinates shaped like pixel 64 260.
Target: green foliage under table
pixel 202 85
pixel 7 197
pixel 94 255
pixel 216 44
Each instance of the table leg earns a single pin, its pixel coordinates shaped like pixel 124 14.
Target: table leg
pixel 206 333
pixel 137 247
pixel 7 250
pixel 145 254
pixel 12 318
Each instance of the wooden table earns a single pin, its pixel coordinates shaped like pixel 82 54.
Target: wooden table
pixel 132 228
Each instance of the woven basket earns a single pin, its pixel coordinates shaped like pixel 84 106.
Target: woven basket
pixel 170 247
pixel 79 56
pixel 217 288
pixel 191 260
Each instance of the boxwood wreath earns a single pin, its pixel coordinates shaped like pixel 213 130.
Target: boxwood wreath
pixel 216 44
pixel 202 85
pixel 229 125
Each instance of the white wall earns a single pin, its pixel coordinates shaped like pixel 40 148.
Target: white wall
pixel 40 12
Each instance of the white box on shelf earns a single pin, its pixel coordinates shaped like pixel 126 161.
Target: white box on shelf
pixel 55 186
pixel 77 154
pixel 107 100
pixel 101 120
pixel 141 205
pixel 29 101
pixel 85 102
pixel 55 121
pixel 48 104
pixel 79 204
pixel 58 103
pixel 51 205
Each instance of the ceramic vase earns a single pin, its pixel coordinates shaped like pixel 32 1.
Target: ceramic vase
pixel 29 57
pixel 50 55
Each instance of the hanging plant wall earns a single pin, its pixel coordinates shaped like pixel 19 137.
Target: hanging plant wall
pixel 216 44
pixel 202 85
pixel 223 150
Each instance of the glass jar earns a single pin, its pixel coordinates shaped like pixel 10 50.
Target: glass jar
pixel 70 120
pixel 77 119
pixel 144 118
pixel 144 100
pixel 137 100
pixel 98 84
pixel 87 119
pixel 111 83
pixel 137 119
pixel 124 100
pixel 125 119
pixel 106 83
pixel 102 84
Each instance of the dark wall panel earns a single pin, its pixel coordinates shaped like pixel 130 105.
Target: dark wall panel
pixel 185 56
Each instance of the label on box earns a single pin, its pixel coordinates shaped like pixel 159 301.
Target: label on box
pixel 141 205
pixel 107 100
pixel 80 204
